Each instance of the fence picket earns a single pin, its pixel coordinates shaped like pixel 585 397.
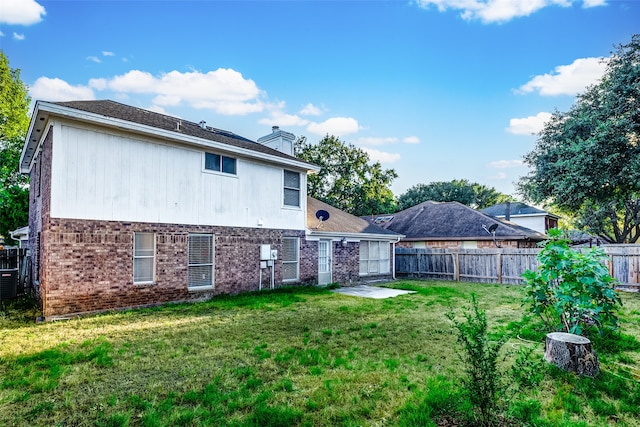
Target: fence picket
pixel 500 265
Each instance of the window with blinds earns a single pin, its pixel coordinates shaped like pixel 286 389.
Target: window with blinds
pixel 291 188
pixel 200 260
pixel 290 259
pixel 144 257
pixel 374 257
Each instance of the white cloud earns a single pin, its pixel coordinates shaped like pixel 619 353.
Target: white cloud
pixel 567 79
pixel 529 125
pixel 58 90
pixel 224 91
pixel 21 12
pixel 593 3
pixel 505 164
pixel 18 37
pixel 94 59
pixel 337 126
pixel 107 53
pixel 492 11
pixel 411 140
pixel 499 176
pixel 311 110
pixel 377 141
pixel 279 118
pixel 381 156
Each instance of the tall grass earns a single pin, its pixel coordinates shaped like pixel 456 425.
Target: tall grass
pixel 294 357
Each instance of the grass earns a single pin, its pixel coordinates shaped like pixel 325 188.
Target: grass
pixel 297 357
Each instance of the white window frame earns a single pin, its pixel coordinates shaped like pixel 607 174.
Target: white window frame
pixel 286 188
pixel 211 264
pixel 377 259
pixel 220 171
pixel 291 262
pixel 137 256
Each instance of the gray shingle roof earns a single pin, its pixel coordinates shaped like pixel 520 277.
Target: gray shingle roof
pixel 516 208
pixel 340 221
pixel 450 221
pixel 120 111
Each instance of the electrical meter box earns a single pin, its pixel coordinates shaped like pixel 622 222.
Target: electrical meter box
pixel 265 252
pixel 274 254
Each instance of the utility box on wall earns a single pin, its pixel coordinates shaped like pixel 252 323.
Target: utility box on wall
pixel 265 252
pixel 268 254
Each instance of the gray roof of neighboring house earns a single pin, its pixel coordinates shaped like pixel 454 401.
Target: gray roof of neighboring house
pixel 116 110
pixel 450 221
pixel 340 221
pixel 515 209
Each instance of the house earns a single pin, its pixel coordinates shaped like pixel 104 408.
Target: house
pixel 524 215
pixel 454 225
pixel 130 207
pixel 21 235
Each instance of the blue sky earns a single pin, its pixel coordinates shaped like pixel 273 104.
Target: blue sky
pixel 435 89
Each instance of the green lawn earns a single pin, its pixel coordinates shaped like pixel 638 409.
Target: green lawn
pixel 295 356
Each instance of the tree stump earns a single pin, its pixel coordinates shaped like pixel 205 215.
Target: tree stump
pixel 571 353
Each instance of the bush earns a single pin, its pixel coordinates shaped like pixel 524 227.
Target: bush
pixel 483 380
pixel 572 291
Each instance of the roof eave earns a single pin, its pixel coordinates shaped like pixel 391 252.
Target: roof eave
pixel 43 110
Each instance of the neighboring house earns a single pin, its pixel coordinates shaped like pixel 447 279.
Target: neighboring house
pixel 524 215
pixel 131 208
pixel 21 235
pixel 454 225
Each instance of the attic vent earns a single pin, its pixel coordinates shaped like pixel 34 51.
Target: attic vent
pixel 203 124
pixel 383 219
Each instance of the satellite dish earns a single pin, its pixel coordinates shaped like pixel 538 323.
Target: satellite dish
pixel 322 215
pixel 492 228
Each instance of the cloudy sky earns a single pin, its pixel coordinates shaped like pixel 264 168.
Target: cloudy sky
pixel 436 89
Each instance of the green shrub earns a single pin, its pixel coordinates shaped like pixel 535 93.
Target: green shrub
pixel 572 291
pixel 483 381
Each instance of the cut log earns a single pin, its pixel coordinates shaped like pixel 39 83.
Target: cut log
pixel 571 353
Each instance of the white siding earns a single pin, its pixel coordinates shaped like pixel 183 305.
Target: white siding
pixel 533 222
pixel 106 176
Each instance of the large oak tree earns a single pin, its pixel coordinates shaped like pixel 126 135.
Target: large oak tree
pixel 586 161
pixel 475 195
pixel 347 180
pixel 14 121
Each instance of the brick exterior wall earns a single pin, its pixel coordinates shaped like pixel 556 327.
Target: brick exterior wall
pixel 86 266
pixel 89 264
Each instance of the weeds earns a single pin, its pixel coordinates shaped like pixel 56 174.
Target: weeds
pixel 483 381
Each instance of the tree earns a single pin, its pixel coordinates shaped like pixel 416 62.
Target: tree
pixel 586 161
pixel 14 121
pixel 347 180
pixel 572 291
pixel 475 195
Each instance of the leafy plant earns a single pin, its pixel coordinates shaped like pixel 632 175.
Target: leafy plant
pixel 483 380
pixel 572 291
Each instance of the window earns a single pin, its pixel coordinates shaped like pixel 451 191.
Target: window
pixel 218 163
pixel 290 258
pixel 200 260
pixel 291 188
pixel 374 257
pixel 144 257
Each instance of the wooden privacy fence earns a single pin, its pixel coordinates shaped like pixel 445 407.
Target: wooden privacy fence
pixel 500 265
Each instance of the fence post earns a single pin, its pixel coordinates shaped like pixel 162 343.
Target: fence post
pixel 499 262
pixel 456 265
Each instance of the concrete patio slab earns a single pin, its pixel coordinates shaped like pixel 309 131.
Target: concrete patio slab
pixel 366 291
